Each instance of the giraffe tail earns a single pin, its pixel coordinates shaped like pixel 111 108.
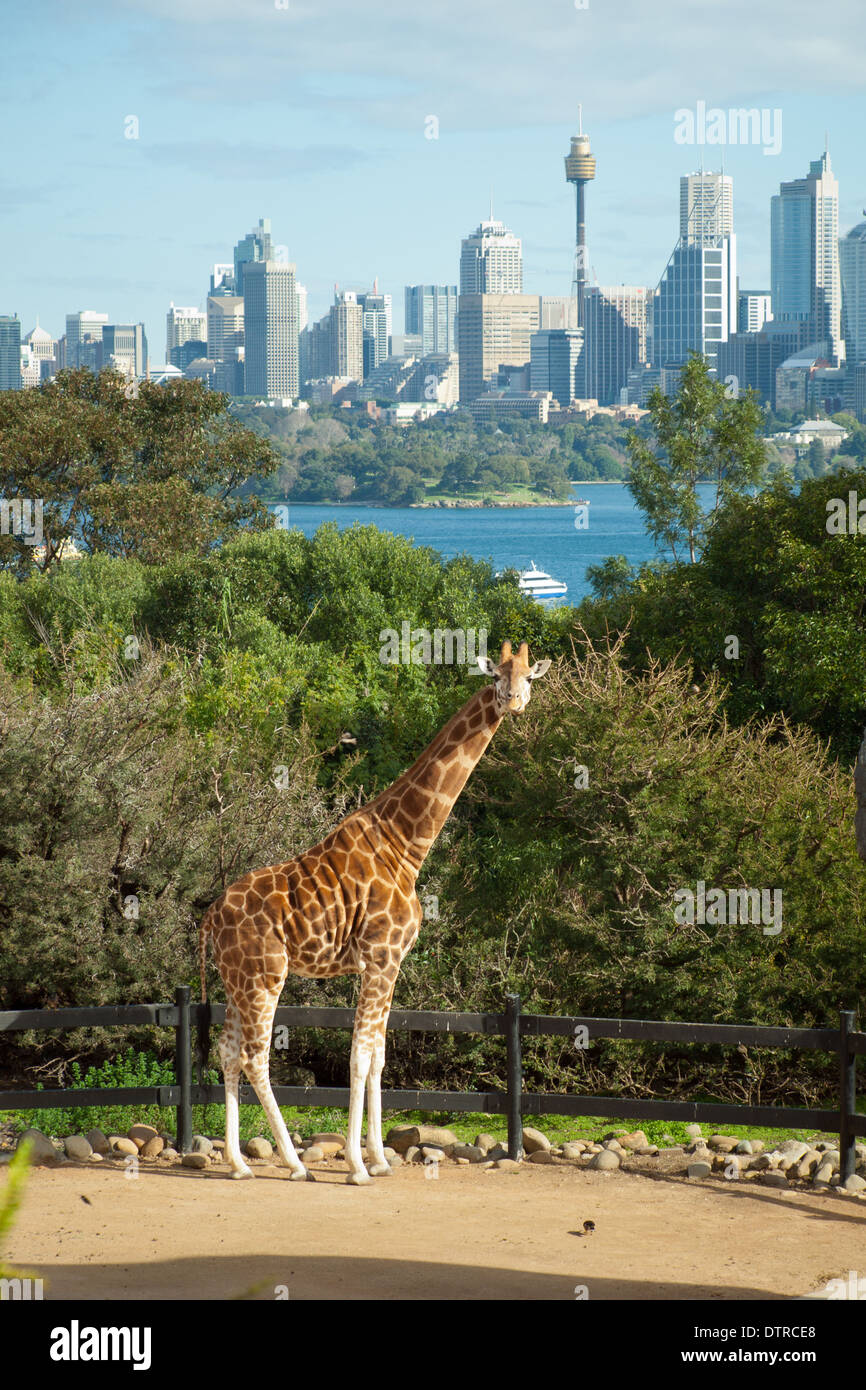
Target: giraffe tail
pixel 203 934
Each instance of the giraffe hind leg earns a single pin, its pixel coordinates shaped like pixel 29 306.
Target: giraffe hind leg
pixel 230 1057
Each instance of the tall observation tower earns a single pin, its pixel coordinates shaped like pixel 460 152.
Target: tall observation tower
pixel 579 169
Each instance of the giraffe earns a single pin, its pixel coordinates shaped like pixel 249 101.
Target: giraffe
pixel 346 906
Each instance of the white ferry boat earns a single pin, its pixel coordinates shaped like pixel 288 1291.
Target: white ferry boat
pixel 540 585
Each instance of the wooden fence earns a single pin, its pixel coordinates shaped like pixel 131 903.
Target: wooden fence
pixel 513 1102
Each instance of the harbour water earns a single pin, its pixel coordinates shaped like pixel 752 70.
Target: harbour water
pixel 512 537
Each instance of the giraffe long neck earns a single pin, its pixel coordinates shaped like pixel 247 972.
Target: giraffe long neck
pixel 414 809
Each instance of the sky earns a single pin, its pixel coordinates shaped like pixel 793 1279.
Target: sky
pixel 317 114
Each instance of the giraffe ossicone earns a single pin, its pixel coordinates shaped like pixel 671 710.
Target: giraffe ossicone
pixel 346 906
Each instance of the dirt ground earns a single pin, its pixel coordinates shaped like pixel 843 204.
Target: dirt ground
pixel 175 1233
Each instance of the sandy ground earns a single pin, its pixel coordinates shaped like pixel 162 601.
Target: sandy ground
pixel 468 1234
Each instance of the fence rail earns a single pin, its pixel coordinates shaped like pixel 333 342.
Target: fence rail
pixel 514 1102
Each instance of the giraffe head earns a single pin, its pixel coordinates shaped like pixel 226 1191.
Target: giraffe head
pixel 514 676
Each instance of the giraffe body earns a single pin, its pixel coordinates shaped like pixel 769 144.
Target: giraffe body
pixel 346 906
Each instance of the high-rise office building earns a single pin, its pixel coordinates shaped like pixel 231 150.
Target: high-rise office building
pixel 222 279
pixel 10 352
pixel 754 309
pixel 44 352
pixel 257 245
pixel 301 292
pixel 376 328
pixel 614 339
pixel 225 326
pixel 806 284
pixel 559 311
pixel 181 325
pixel 852 264
pixel 491 261
pixel 431 314
pixel 270 329
pixel 695 306
pixel 553 357
pixel 346 337
pixel 706 206
pixel 752 359
pixel 493 331
pixel 124 348
pixel 83 328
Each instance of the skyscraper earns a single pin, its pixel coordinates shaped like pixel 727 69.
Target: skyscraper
pixel 376 328
pixel 346 336
pixel 706 206
pixel 804 255
pixel 431 314
pixel 580 170
pixel 257 245
pixel 554 355
pixel 270 329
pixel 82 328
pixel 852 263
pixel 615 339
pixel 182 325
pixel 493 330
pixel 225 326
pixel 754 309
pixel 491 261
pixel 10 352
pixel 124 348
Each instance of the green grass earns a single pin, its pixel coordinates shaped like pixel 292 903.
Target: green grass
pixel 138 1069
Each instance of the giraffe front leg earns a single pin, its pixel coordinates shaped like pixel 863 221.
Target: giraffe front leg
pixel 359 1068
pixel 379 1167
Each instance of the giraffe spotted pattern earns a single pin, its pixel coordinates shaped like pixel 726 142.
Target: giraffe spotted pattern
pixel 346 906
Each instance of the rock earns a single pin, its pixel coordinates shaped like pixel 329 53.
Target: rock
pixel 649 1152
pixel 199 1145
pixel 744 1147
pixel 614 1146
pixel 722 1143
pixel 613 1134
pixel 854 1184
pixel 793 1149
pixel 606 1161
pixel 154 1147
pixel 410 1154
pixel 469 1153
pixel 98 1142
pixel 773 1178
pixel 573 1148
pixel 700 1169
pixel 764 1162
pixel 808 1164
pixel 534 1141
pixel 219 1145
pixel 485 1142
pixel 432 1153
pixel 121 1145
pixel 507 1165
pixel 758 1145
pixel 329 1148
pixel 312 1153
pixel 541 1156
pixel 395 1161
pixel 823 1175
pixel 404 1137
pixel 259 1148
pixel 693 1131
pixel 76 1146
pixel 832 1156
pixel 498 1151
pixel 698 1146
pixel 330 1137
pixel 140 1134
pixel 195 1160
pixel 593 1149
pixel 95 1158
pixel 636 1140
pixel 463 1162
pixel 169 1155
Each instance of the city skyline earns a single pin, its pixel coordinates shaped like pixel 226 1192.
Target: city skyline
pixel 124 226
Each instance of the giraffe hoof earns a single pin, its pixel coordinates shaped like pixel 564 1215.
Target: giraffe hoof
pixel 359 1179
pixel 380 1170
pixel 240 1173
pixel 301 1175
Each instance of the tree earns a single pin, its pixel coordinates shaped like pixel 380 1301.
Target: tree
pixel 703 434
pixel 147 475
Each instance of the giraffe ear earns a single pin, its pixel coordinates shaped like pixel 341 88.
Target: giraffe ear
pixel 539 669
pixel 486 665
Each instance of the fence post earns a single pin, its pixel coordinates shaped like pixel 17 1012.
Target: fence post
pixel 847 1095
pixel 514 1075
pixel 183 1069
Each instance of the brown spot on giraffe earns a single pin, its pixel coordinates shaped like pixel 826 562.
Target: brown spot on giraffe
pixel 346 906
